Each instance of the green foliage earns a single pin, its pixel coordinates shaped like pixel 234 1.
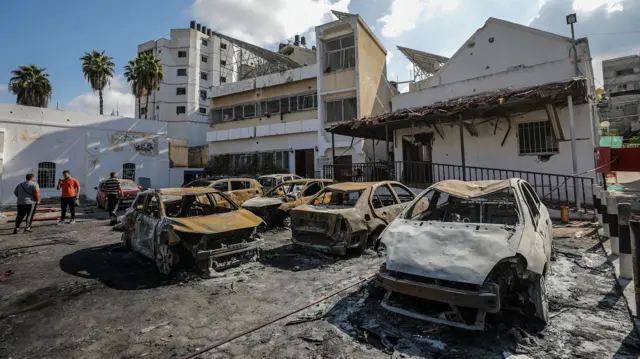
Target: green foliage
pixel 98 69
pixel 31 86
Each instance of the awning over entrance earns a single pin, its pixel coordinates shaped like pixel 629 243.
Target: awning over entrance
pixel 495 104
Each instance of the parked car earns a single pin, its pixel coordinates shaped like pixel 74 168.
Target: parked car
pixel 270 181
pixel 239 189
pixel 129 191
pixel 187 225
pixel 348 215
pixel 274 207
pixel 476 248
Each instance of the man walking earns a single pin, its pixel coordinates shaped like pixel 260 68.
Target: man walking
pixel 113 190
pixel 70 192
pixel 28 193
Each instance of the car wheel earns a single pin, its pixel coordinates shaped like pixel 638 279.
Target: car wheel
pixel 540 299
pixel 166 259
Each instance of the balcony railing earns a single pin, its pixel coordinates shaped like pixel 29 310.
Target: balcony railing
pixel 552 188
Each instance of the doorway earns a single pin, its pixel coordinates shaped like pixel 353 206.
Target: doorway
pixel 417 155
pixel 305 163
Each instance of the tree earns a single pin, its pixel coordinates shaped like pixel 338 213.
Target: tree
pixel 145 74
pixel 98 69
pixel 31 86
pixel 133 74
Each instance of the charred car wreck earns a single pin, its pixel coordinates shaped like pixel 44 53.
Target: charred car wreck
pixel 191 226
pixel 348 215
pixel 477 248
pixel 274 207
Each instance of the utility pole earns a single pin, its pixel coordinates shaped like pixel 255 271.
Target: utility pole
pixel 572 19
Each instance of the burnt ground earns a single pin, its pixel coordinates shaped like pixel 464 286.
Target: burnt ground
pixel 76 294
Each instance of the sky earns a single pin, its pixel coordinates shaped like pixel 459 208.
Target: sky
pixel 55 34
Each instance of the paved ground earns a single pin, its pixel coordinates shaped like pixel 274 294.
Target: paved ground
pixel 76 294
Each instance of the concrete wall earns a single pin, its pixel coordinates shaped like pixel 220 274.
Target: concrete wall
pixel 178 153
pixel 90 146
pixel 275 79
pixel 339 81
pixel 265 93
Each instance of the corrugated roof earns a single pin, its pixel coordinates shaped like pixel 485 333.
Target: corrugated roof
pixel 429 63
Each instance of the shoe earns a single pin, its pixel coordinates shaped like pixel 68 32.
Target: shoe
pixel 72 221
pixel 61 222
pixel 27 230
pixel 15 231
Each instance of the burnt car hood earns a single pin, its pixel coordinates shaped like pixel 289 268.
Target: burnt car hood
pixel 330 216
pixel 460 252
pixel 260 202
pixel 216 223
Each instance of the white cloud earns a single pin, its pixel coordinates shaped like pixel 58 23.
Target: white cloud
pixel 117 98
pixel 4 87
pixel 390 55
pixel 404 15
pixel 265 22
pixel 590 5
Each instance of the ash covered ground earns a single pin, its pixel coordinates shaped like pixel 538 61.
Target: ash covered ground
pixel 76 293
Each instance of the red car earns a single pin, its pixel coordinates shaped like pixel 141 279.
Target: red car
pixel 129 191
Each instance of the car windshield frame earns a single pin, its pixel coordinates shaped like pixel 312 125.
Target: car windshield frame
pixel 129 185
pixel 317 198
pixel 182 198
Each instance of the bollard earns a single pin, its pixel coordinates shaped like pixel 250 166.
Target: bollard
pixel 596 202
pixel 603 213
pixel 564 214
pixel 612 213
pixel 624 241
pixel 634 229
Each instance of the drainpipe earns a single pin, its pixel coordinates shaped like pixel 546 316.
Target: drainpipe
pixel 572 130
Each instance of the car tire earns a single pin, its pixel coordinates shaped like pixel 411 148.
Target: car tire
pixel 166 258
pixel 540 300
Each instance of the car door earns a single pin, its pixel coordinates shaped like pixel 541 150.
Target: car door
pixel 146 223
pixel 384 203
pixel 542 222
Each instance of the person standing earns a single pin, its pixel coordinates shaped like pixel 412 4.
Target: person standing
pixel 28 193
pixel 70 192
pixel 113 190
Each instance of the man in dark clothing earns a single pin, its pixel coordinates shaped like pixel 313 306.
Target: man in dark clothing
pixel 113 190
pixel 70 192
pixel 28 193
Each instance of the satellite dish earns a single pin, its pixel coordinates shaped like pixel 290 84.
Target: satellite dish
pixel 604 124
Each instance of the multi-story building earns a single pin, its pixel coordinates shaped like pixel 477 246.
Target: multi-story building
pixel 277 121
pixel 195 60
pixel 622 85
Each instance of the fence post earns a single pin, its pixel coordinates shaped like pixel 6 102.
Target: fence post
pixel 612 210
pixel 624 236
pixel 596 201
pixel 634 226
pixel 603 213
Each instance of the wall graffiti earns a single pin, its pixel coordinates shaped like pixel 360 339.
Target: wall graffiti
pixel 143 143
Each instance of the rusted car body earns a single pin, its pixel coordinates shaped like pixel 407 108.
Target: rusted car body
pixel 348 215
pixel 478 247
pixel 274 207
pixel 201 226
pixel 239 189
pixel 270 181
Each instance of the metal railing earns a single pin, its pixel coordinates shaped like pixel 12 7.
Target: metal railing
pixel 552 188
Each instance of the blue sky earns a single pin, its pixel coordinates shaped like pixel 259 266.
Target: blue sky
pixel 55 34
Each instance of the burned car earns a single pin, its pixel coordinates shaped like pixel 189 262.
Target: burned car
pixel 348 215
pixel 274 207
pixel 239 189
pixel 199 226
pixel 476 248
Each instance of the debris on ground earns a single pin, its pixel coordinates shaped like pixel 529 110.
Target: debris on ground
pixel 152 327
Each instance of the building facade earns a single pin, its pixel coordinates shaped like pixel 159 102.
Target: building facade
pixel 46 142
pixel 622 86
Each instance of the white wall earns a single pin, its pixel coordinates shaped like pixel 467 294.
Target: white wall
pixel 88 145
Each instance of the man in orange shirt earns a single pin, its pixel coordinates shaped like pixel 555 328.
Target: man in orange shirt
pixel 70 192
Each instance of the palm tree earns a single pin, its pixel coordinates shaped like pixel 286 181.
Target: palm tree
pixel 153 75
pixel 98 69
pixel 133 74
pixel 31 86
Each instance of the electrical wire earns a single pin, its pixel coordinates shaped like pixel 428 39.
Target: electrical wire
pixel 578 174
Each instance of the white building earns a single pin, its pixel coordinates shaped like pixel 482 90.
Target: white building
pixel 622 86
pixel 195 60
pixel 500 107
pixel 46 142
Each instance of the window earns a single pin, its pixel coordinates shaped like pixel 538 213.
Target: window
pixel 622 87
pixel 403 194
pixel 204 42
pixel 536 138
pixel 153 207
pixel 143 110
pixel 203 76
pixel 222 186
pixel 47 174
pixel 180 109
pixel 293 103
pixel 342 110
pixel 249 110
pixel 181 91
pixel 624 72
pixel 531 203
pixel 306 102
pixel 129 171
pixel 204 59
pixel 237 112
pixel 340 54
pixel 312 189
pixel 203 94
pixel 223 79
pixel 182 54
pixel 238 185
pixel 223 46
pixel 181 72
pixel 333 199
pixel 383 197
pixel 223 63
pixel 202 110
pixel 227 114
pixel 273 106
pixel 284 104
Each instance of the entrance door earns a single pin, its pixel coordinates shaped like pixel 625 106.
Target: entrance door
pixel 417 159
pixel 343 171
pixel 305 163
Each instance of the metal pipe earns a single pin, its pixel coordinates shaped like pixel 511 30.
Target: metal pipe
pixel 574 159
pixel 462 156
pixel 333 151
pixel 612 210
